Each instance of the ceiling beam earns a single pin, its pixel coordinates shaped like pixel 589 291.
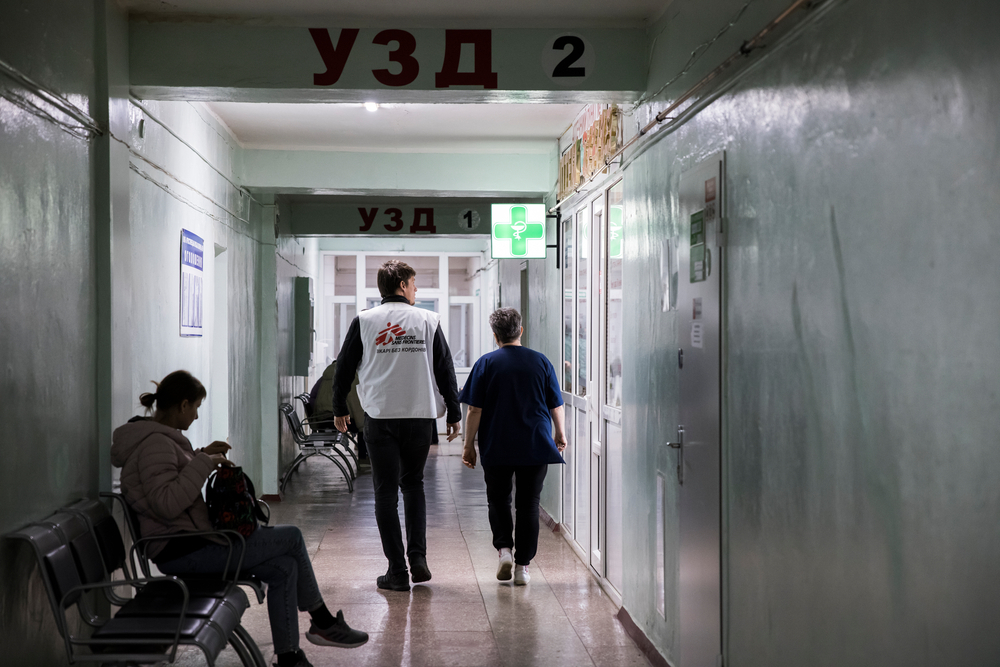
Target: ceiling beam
pixel 269 63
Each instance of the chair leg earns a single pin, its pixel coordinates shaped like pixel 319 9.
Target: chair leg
pixel 247 659
pixel 347 476
pixel 350 450
pixel 292 467
pixel 352 469
pixel 250 645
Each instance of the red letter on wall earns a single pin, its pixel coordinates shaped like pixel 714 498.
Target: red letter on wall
pixel 482 46
pixel 368 217
pixel 403 55
pixel 334 57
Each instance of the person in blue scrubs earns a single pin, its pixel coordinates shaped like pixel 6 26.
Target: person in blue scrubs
pixel 514 402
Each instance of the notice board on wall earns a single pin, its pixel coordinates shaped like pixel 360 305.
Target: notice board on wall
pixel 192 283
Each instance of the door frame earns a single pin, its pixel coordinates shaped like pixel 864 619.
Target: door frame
pixel 593 404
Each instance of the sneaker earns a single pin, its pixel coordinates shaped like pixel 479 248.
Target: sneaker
pixel 393 582
pixel 506 563
pixel 521 576
pixel 419 571
pixel 339 634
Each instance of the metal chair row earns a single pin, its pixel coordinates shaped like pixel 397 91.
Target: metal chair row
pixel 333 445
pixel 79 550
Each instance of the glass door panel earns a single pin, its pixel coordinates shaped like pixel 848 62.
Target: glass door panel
pixel 460 334
pixel 613 355
pixel 427 268
pixel 580 294
pixel 582 308
pixel 569 470
pixel 614 511
pixel 595 383
pixel 581 527
pixel 567 307
pixel 612 246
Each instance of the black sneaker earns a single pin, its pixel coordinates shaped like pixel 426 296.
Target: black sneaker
pixel 393 582
pixel 418 570
pixel 339 634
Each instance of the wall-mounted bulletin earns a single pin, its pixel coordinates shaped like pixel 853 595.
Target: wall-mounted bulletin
pixel 597 134
pixel 192 283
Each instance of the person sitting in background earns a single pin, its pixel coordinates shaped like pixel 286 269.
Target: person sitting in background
pixel 162 478
pixel 321 407
pixel 514 400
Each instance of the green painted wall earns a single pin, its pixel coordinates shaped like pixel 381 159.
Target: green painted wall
pixel 90 283
pixel 294 257
pixel 48 295
pixel 862 348
pixel 399 174
pixel 157 218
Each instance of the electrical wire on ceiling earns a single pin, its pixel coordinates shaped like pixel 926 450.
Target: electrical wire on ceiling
pixel 176 195
pixel 696 55
pixel 164 171
pixel 139 105
pixel 44 103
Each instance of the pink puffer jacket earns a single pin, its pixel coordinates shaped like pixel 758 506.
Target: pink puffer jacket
pixel 161 479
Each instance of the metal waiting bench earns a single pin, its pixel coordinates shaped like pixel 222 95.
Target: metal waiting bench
pixel 80 547
pixel 328 444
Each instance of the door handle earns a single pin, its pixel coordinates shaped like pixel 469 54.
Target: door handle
pixel 679 446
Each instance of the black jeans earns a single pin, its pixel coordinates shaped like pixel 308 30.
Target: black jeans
pixel 528 482
pixel 397 449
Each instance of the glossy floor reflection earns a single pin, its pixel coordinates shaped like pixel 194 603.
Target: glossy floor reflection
pixel 463 617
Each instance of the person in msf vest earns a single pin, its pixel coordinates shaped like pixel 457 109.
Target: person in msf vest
pixel 407 380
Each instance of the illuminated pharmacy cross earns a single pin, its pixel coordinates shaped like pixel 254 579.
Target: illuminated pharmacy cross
pixel 518 230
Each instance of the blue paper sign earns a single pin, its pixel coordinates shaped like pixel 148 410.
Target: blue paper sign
pixel 192 283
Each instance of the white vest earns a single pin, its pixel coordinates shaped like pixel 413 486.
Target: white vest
pixel 396 374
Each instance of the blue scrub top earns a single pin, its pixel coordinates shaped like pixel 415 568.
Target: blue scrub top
pixel 515 387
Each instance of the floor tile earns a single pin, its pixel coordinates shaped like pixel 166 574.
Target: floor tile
pixel 463 616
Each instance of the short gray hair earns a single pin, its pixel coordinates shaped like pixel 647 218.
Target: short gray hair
pixel 506 324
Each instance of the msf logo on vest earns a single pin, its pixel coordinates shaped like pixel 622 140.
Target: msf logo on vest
pixel 389 334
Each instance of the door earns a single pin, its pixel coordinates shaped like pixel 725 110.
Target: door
pixel 592 331
pixel 598 462
pixel 576 284
pixel 698 442
pixel 612 328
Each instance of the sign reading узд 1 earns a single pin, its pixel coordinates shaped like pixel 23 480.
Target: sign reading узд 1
pixel 518 231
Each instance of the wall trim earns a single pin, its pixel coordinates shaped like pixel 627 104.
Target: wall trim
pixel 641 640
pixel 548 520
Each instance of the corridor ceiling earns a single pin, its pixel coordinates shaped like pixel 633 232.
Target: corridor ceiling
pixel 402 128
pixel 539 13
pixel 398 128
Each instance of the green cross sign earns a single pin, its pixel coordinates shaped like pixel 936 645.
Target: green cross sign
pixel 518 230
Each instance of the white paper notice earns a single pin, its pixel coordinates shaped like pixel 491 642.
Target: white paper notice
pixel 696 335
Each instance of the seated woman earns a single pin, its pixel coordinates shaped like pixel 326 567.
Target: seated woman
pixel 161 479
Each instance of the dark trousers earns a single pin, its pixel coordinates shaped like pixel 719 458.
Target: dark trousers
pixel 397 449
pixel 527 481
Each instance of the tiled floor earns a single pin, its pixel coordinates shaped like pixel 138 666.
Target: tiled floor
pixel 463 617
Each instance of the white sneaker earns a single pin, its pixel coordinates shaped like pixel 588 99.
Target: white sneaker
pixel 521 576
pixel 506 563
